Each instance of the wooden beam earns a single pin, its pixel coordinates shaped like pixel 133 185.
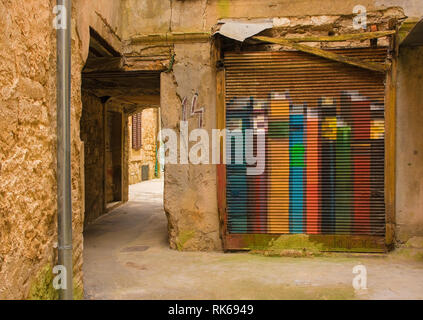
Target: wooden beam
pixel 139 100
pixel 345 37
pixel 391 147
pixel 101 45
pixel 103 64
pixel 327 54
pixel 171 37
pixel 115 64
pixel 146 63
pixel 217 55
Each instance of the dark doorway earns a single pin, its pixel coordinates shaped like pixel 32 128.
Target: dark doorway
pixel 114 154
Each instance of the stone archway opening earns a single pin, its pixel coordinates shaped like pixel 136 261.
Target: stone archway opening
pixel 114 92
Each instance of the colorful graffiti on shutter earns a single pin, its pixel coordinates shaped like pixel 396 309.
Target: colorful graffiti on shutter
pixel 322 166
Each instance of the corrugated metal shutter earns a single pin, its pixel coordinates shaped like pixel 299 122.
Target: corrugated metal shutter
pixel 324 154
pixel 136 131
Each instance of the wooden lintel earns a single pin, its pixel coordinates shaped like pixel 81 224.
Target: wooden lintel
pixel 116 64
pixel 144 63
pixel 145 101
pixel 345 37
pixel 171 37
pixel 103 64
pixel 327 54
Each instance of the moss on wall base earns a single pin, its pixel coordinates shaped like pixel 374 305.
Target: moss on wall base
pixel 78 291
pixel 42 287
pixel 297 245
pixel 183 238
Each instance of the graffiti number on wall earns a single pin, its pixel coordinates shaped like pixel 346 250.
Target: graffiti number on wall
pixel 192 111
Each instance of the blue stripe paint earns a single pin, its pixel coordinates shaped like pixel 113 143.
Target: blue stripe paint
pixel 296 172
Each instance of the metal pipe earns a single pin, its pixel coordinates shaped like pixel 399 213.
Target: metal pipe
pixel 64 199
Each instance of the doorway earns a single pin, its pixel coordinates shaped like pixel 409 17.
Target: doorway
pixel 114 159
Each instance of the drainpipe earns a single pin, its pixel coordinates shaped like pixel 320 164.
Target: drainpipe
pixel 64 204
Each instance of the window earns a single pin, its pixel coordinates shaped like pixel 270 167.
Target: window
pixel 136 131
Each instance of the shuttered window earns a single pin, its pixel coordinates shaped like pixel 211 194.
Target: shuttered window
pixel 136 131
pixel 324 151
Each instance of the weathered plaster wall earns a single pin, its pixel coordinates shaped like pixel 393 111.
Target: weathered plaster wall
pixel 409 174
pixel 190 190
pixel 147 154
pixel 92 135
pixel 412 8
pixel 104 16
pixel 150 16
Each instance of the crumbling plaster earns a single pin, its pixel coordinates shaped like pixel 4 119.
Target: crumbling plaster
pixel 409 156
pixel 150 16
pixel 190 190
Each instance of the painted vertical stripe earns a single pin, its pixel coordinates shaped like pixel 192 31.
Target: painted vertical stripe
pixel 343 180
pixel 237 188
pixel 377 135
pixel 296 165
pixel 257 184
pixel 278 156
pixel 328 132
pixel 361 188
pixel 312 172
pixel 361 119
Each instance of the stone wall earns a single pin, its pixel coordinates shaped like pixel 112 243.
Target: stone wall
pixel 92 135
pixel 27 144
pixel 103 16
pixel 28 210
pixel 147 154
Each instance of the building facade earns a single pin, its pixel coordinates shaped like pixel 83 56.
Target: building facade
pixel 143 159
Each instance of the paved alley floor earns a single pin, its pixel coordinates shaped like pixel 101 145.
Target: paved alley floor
pixel 126 256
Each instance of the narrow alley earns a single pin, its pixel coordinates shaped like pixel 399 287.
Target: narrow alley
pixel 126 256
